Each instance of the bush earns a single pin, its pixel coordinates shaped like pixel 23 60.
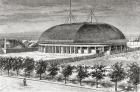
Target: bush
pixel 48 78
pixel 126 87
pixel 60 78
pixel 107 84
pixel 73 81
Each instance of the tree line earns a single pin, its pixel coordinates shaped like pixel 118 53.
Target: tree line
pixel 116 72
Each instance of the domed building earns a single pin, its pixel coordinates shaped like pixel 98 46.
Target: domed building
pixel 81 38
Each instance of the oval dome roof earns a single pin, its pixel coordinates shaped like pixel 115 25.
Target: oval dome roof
pixel 82 32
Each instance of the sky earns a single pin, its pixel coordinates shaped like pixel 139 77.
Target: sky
pixel 39 15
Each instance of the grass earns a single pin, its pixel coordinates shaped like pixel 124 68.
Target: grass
pixel 126 58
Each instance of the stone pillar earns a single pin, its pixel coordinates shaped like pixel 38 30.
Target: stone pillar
pixel 80 50
pixel 95 50
pixel 103 49
pixel 44 49
pixel 74 50
pixel 50 49
pixel 62 49
pixel 116 48
pixel 121 47
pixel 66 49
pixel 54 49
pixel 109 48
pixel 87 50
pixel 70 50
pixel 59 49
pixel 39 48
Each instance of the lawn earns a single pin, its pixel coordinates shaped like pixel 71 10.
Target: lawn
pixel 126 58
pixel 16 85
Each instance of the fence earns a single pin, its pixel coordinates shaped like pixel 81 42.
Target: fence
pixel 125 50
pixel 75 59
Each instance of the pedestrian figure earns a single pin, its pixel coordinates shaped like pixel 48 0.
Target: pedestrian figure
pixel 24 82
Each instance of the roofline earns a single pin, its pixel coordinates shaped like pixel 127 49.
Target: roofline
pixel 79 45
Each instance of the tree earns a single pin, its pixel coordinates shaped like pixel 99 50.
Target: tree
pixel 134 74
pixel 1 64
pixel 98 73
pixel 67 71
pixel 41 67
pixel 117 74
pixel 29 65
pixel 82 73
pixel 8 64
pixel 17 64
pixel 53 70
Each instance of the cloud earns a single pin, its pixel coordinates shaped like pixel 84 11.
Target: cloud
pixel 23 15
pixel 36 3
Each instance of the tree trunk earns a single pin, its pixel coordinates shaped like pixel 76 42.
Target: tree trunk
pixel 96 83
pixel 65 80
pixel 116 86
pixel 8 72
pixel 80 82
pixel 29 74
pixel 17 72
pixel 40 76
pixel 24 82
pixel 136 88
pixel 1 71
pixel 25 74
